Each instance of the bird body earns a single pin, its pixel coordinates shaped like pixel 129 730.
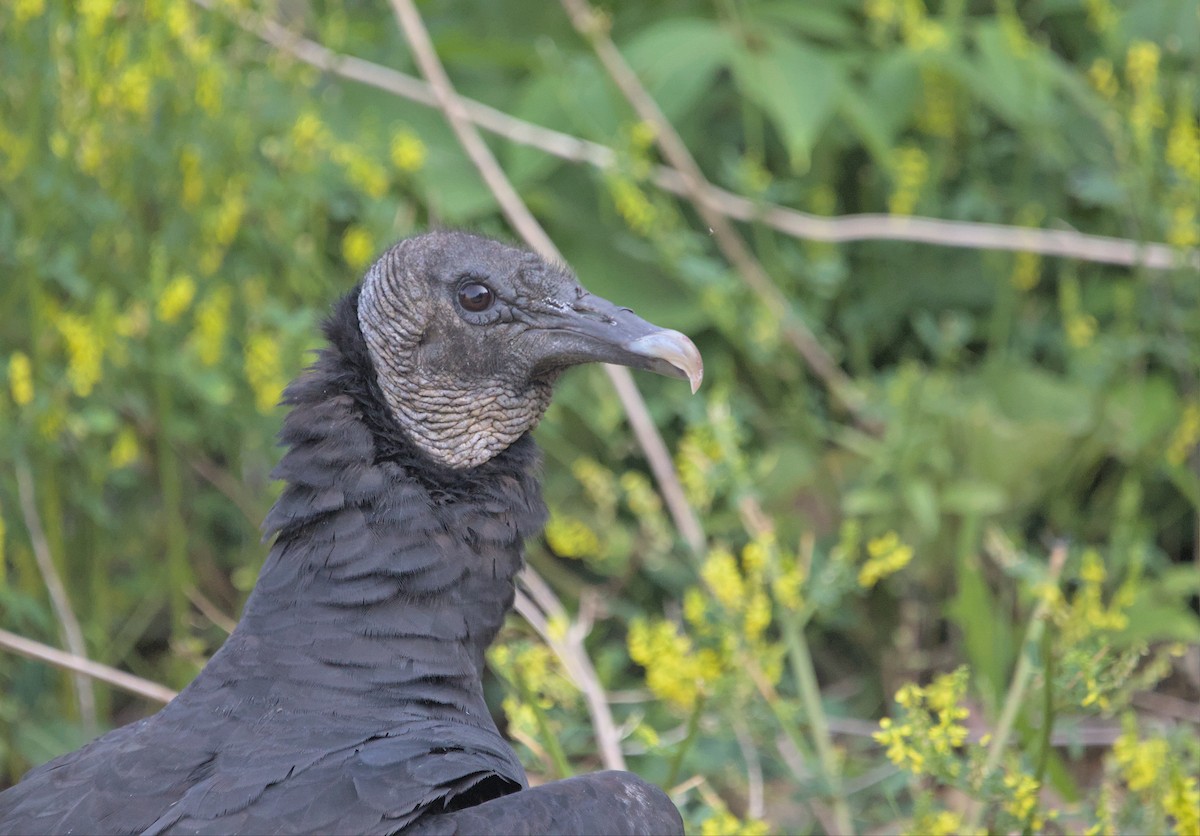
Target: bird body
pixel 349 698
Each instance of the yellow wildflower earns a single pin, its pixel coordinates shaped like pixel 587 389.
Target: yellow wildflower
pixel 640 495
pixel 632 205
pixel 787 588
pixel 675 671
pixel 886 556
pixel 309 133
pixel 357 247
pixel 695 607
pixel 175 299
pixel 1081 330
pixel 28 9
pixel 408 151
pixel 1141 64
pixel 20 378
pixel 1021 799
pixel 134 87
pixel 1182 802
pixel 124 451
pixel 263 371
pixel 720 572
pixel 1183 231
pixel 571 537
pixel 85 352
pixel 1103 79
pixel 724 823
pixel 1183 144
pixel 94 14
pixel 212 321
pixel 910 171
pixel 1139 760
pixel 758 616
pixel 1101 16
pixel 209 88
pixel 228 219
pixel 941 823
pixel 900 750
pixel 937 115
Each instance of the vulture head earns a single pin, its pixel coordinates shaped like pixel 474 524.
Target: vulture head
pixel 467 336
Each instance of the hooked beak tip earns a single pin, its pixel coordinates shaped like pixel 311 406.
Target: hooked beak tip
pixel 672 354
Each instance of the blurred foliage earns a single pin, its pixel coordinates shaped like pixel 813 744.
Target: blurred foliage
pixel 181 203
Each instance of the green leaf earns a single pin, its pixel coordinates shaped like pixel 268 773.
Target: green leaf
pixel 677 59
pixel 797 88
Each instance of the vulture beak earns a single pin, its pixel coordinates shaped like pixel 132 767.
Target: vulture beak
pixel 594 330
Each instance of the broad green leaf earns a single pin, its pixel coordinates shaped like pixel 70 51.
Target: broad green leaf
pixel 795 85
pixel 677 59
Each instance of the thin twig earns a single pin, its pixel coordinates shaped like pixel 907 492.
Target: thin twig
pixel 727 237
pixel 59 600
pixel 1060 243
pixel 86 667
pixel 537 604
pixel 531 231
pixel 210 610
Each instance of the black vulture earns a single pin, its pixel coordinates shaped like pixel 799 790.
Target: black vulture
pixel 349 699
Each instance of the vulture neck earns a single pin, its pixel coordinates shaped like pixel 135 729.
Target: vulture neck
pixel 392 573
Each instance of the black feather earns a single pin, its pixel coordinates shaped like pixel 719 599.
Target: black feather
pixel 349 697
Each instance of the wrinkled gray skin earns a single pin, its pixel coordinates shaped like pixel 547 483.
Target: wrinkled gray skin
pixel 349 698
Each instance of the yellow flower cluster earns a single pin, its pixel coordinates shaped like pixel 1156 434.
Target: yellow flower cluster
pixel 24 10
pixel 632 205
pixel 357 247
pixel 85 352
pixel 1080 326
pixel 1104 79
pixel 675 670
pixel 1087 613
pixel 364 173
pixel 20 378
pixel 264 371
pixel 886 555
pixel 125 449
pixel 599 483
pixel 939 823
pixel 910 172
pixel 571 537
pixel 640 495
pixel 1021 799
pixel 175 298
pixel 1182 802
pixel 408 151
pixel 930 731
pixel 938 113
pixel 697 454
pixel 1102 16
pixel 1139 760
pixel 1141 71
pixel 1185 436
pixel 742 591
pixel 212 322
pixel 724 823
pixel 1183 157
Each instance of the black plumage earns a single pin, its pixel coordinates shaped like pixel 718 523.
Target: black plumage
pixel 349 698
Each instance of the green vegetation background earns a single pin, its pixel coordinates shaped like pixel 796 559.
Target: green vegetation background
pixel 1003 563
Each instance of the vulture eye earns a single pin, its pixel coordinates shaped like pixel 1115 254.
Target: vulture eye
pixel 475 297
